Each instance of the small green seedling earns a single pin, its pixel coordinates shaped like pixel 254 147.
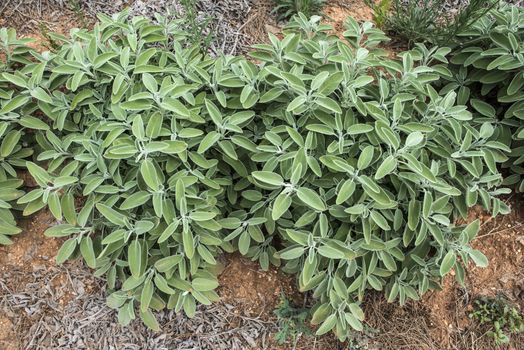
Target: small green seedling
pixel 502 317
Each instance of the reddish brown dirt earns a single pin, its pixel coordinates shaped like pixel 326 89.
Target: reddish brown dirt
pixel 502 240
pixel 338 11
pixel 31 247
pixel 256 293
pixel 242 281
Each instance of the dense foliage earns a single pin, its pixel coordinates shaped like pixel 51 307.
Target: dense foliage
pixel 489 74
pixel 13 126
pixel 328 157
pixel 366 192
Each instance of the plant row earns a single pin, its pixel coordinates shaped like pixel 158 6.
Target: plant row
pixel 344 166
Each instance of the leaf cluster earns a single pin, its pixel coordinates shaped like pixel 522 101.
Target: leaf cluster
pixel 488 73
pixel 14 149
pixel 344 165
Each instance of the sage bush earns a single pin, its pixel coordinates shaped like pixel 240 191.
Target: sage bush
pixel 488 74
pixel 13 145
pixel 319 154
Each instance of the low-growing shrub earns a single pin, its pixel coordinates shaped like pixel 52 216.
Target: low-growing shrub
pixel 489 75
pixel 345 164
pixel 13 151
